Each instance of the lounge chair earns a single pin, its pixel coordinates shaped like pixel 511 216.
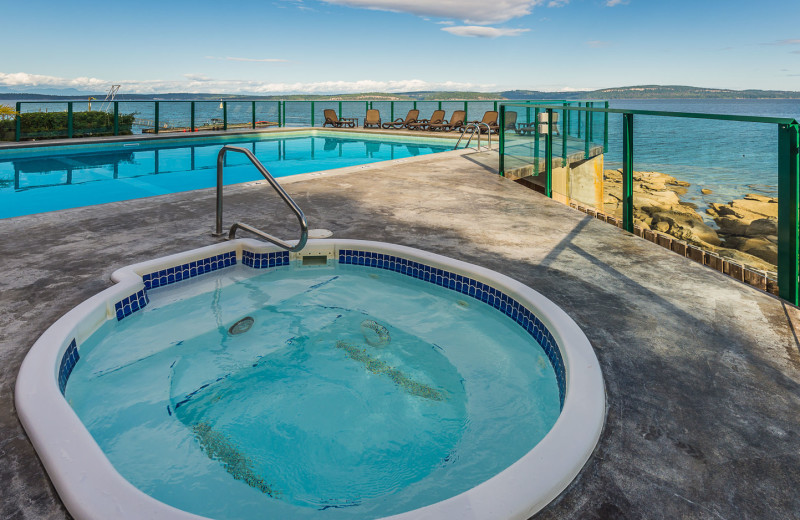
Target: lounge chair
pixel 373 119
pixel 335 121
pixel 542 122
pixel 403 123
pixel 510 121
pixel 422 124
pixel 490 120
pixel 456 122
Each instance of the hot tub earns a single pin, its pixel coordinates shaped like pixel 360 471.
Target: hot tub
pixel 350 380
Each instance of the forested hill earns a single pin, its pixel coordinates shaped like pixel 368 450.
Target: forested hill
pixel 636 92
pixel 654 92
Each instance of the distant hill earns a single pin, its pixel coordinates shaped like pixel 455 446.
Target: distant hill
pixel 634 92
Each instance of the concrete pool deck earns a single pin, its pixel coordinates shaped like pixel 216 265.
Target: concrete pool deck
pixel 702 372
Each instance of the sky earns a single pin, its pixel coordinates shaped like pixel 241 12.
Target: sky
pixel 273 47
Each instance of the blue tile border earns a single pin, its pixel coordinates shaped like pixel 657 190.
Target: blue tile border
pixel 188 270
pixel 469 287
pixel 264 260
pixel 68 361
pixel 130 304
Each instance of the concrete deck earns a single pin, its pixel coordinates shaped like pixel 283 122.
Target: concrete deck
pixel 702 372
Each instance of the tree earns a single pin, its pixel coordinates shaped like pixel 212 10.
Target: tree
pixel 6 112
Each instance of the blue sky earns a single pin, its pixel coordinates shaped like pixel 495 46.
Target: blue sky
pixel 340 46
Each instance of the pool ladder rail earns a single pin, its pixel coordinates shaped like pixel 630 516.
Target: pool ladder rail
pixel 277 187
pixel 476 128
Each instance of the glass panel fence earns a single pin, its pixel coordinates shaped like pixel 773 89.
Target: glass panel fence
pixel 208 115
pixel 297 113
pixel 354 110
pixel 131 117
pixel 703 186
pixel 43 120
pixel 319 111
pixel 384 109
pixel 524 147
pixel 711 184
pixel 400 110
pixel 240 115
pixel 174 116
pixel 426 108
pixel 266 113
pixel 90 123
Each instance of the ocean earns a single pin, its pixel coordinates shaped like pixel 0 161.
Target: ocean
pixel 729 158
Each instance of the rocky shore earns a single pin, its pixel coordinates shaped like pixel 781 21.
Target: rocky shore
pixel 746 229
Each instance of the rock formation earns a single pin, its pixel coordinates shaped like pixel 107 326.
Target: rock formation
pixel 747 228
pixel 749 225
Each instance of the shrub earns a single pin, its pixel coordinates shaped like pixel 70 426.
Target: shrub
pixel 53 125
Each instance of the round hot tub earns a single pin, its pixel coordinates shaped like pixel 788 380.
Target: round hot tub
pixel 350 380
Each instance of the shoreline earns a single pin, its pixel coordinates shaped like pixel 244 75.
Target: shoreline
pixel 745 229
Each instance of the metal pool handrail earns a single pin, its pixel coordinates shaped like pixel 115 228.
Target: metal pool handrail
pixel 277 187
pixel 475 126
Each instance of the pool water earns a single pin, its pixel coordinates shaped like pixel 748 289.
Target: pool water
pixel 346 394
pixel 36 180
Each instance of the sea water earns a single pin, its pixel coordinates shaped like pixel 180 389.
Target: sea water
pixel 729 158
pixel 311 392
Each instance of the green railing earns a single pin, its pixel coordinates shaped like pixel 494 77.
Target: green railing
pixel 745 172
pixel 192 116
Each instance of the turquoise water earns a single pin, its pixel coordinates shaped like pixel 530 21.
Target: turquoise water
pixel 729 158
pixel 338 402
pixel 54 178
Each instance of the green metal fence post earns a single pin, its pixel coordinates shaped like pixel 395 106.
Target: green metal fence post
pixel 788 212
pixel 502 139
pixel 566 126
pixel 563 138
pixel 116 117
pixel 312 114
pixel 225 115
pixel 627 172
pixel 440 105
pixel 579 120
pixel 253 115
pixel 415 105
pixel 590 122
pixel 18 119
pixel 587 136
pixel 536 139
pixel 605 130
pixel 466 110
pixel 191 116
pixel 340 109
pixel 495 106
pixel 155 120
pixel 548 156
pixel 280 114
pixel 69 120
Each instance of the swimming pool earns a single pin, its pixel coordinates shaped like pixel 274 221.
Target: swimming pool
pixel 50 178
pixel 479 423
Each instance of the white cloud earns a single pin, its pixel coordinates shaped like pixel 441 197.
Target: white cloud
pixel 199 83
pixel 17 79
pixel 479 31
pixel 597 44
pixel 612 3
pixel 479 12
